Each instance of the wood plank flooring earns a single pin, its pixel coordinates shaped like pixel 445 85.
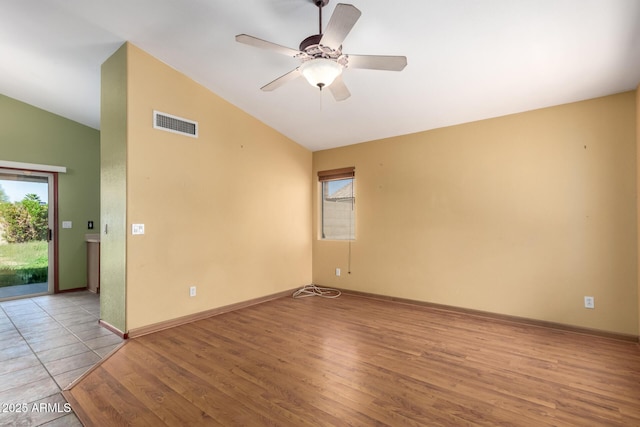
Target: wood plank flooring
pixel 362 362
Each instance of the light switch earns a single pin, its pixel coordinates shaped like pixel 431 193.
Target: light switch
pixel 67 224
pixel 137 228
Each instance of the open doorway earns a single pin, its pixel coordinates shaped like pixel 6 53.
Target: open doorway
pixel 27 249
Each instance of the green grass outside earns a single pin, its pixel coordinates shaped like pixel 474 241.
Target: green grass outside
pixel 23 263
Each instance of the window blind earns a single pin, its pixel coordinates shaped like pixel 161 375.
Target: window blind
pixel 342 173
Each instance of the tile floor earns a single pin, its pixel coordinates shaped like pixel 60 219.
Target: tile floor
pixel 46 342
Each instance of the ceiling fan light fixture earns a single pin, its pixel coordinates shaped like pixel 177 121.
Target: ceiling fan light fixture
pixel 320 72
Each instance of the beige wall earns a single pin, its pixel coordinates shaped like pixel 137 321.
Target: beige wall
pixel 229 212
pixel 521 215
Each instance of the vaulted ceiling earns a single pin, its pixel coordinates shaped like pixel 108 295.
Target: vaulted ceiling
pixel 467 59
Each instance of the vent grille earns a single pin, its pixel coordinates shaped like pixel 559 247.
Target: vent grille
pixel 175 124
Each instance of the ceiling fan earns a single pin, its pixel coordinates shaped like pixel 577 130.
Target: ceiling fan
pixel 321 54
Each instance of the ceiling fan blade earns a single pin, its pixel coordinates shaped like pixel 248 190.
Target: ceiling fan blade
pixel 291 75
pixel 377 62
pixel 342 21
pixel 339 89
pixel 263 44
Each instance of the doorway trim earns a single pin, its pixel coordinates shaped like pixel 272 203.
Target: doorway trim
pixel 33 167
pixel 53 191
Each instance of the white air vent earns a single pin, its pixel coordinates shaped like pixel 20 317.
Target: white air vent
pixel 175 124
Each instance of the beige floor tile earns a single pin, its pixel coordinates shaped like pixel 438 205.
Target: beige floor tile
pixel 30 315
pixel 96 332
pixel 53 300
pixel 24 310
pixel 36 329
pixel 103 341
pixel 6 325
pixel 91 324
pixel 31 323
pixel 61 310
pixel 53 303
pixel 59 366
pixel 45 352
pixel 16 303
pixel 70 314
pixel 17 348
pixel 40 412
pixel 76 319
pixel 22 377
pixel 69 420
pixel 18 363
pixel 48 344
pixel 47 356
pixel 9 336
pixel 36 338
pixel 104 351
pixel 63 380
pixel 32 333
pixel 34 391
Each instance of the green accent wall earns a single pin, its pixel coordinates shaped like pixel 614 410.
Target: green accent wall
pixel 32 135
pixel 113 181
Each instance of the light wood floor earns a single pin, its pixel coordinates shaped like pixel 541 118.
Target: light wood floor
pixel 364 362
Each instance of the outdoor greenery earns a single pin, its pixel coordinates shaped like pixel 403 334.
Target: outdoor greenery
pixel 3 196
pixel 23 240
pixel 23 263
pixel 24 221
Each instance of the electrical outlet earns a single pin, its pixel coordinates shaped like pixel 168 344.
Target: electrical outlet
pixel 337 271
pixel 589 302
pixel 192 291
pixel 137 228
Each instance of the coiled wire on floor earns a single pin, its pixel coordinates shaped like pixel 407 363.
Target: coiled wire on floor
pixel 316 291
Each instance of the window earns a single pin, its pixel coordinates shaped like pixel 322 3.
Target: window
pixel 338 200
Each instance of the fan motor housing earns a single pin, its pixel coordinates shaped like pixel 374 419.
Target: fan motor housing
pixel 311 48
pixel 310 41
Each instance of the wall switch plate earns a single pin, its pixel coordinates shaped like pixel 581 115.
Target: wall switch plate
pixel 192 291
pixel 67 224
pixel 90 225
pixel 589 302
pixel 337 271
pixel 137 228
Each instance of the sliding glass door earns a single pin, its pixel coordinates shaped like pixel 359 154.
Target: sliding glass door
pixel 26 235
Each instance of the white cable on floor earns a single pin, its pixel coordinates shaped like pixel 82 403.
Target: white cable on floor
pixel 314 290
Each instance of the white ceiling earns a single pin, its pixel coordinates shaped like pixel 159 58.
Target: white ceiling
pixel 467 59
